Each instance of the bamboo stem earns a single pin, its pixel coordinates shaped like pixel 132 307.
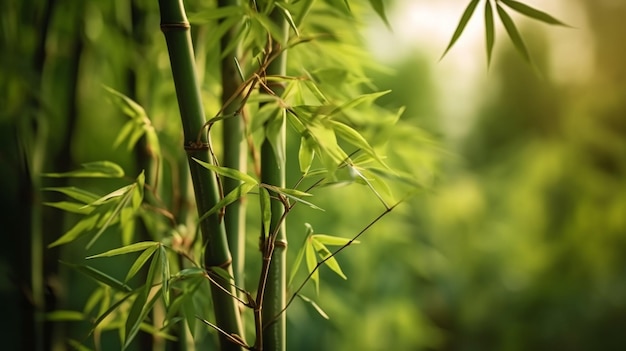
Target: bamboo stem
pixel 175 27
pixel 234 148
pixel 274 333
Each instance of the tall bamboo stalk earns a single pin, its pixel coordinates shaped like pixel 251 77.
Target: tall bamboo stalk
pixel 175 26
pixel 272 172
pixel 234 147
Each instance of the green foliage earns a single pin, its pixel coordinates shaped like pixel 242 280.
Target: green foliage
pixel 507 22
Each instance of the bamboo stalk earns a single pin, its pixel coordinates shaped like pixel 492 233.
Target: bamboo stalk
pixel 234 148
pixel 175 27
pixel 274 328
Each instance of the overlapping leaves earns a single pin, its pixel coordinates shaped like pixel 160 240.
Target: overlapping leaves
pixel 505 19
pixel 100 212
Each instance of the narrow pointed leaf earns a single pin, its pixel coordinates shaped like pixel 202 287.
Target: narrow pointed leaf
pixel 76 231
pixel 126 249
pixel 305 155
pixel 533 13
pixel 266 210
pixel 513 33
pixel 315 305
pixel 231 197
pixel 140 261
pixel 311 263
pixel 75 193
pixel 379 7
pixel 489 30
pixel 289 18
pixel 165 276
pixel 333 240
pixel 100 277
pixel 73 207
pixel 330 261
pixel 98 169
pixel 228 172
pixel 467 14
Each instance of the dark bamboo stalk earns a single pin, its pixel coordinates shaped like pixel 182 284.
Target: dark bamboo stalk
pixel 175 26
pixel 234 147
pixel 274 328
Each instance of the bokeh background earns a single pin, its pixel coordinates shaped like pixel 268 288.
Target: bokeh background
pixel 517 241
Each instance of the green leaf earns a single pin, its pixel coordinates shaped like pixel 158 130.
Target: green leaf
pixel 513 33
pixel 65 315
pixel 266 210
pixel 379 7
pixel 98 169
pixel 231 197
pixel 76 231
pixel 165 276
pixel 140 310
pixel 306 153
pixel 489 30
pixel 533 13
pixel 333 240
pixel 288 17
pixel 75 193
pixel 100 276
pixel 326 255
pixel 228 172
pixel 315 305
pixel 76 345
pixel 128 105
pixel 275 134
pixel 469 11
pixel 311 264
pixel 355 138
pixel 112 195
pixel 73 207
pixel 300 256
pixel 127 249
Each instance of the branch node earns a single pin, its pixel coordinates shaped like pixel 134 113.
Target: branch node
pixel 167 27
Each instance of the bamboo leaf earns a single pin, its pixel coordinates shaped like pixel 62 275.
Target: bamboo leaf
pixel 489 30
pixel 142 311
pixel 165 276
pixel 114 194
pixel 467 14
pixel 228 172
pixel 100 276
pixel 306 153
pixel 128 105
pixel 76 345
pixel 315 305
pixel 311 264
pixel 231 197
pixel 76 231
pixel 355 138
pixel 98 169
pixel 533 13
pixel 287 14
pixel 266 210
pixel 379 7
pixel 65 315
pixel 75 193
pixel 73 207
pixel 275 134
pixel 300 256
pixel 333 240
pixel 326 255
pixel 126 249
pixel 513 33
pixel 140 261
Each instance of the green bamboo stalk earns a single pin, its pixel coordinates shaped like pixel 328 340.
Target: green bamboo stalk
pixel 234 148
pixel 175 27
pixel 274 332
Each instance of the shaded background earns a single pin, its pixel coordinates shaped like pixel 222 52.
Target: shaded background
pixel 519 242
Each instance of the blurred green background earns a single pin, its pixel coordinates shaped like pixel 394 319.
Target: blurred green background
pixel 517 243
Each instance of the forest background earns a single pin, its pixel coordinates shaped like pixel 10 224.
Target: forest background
pixel 517 242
